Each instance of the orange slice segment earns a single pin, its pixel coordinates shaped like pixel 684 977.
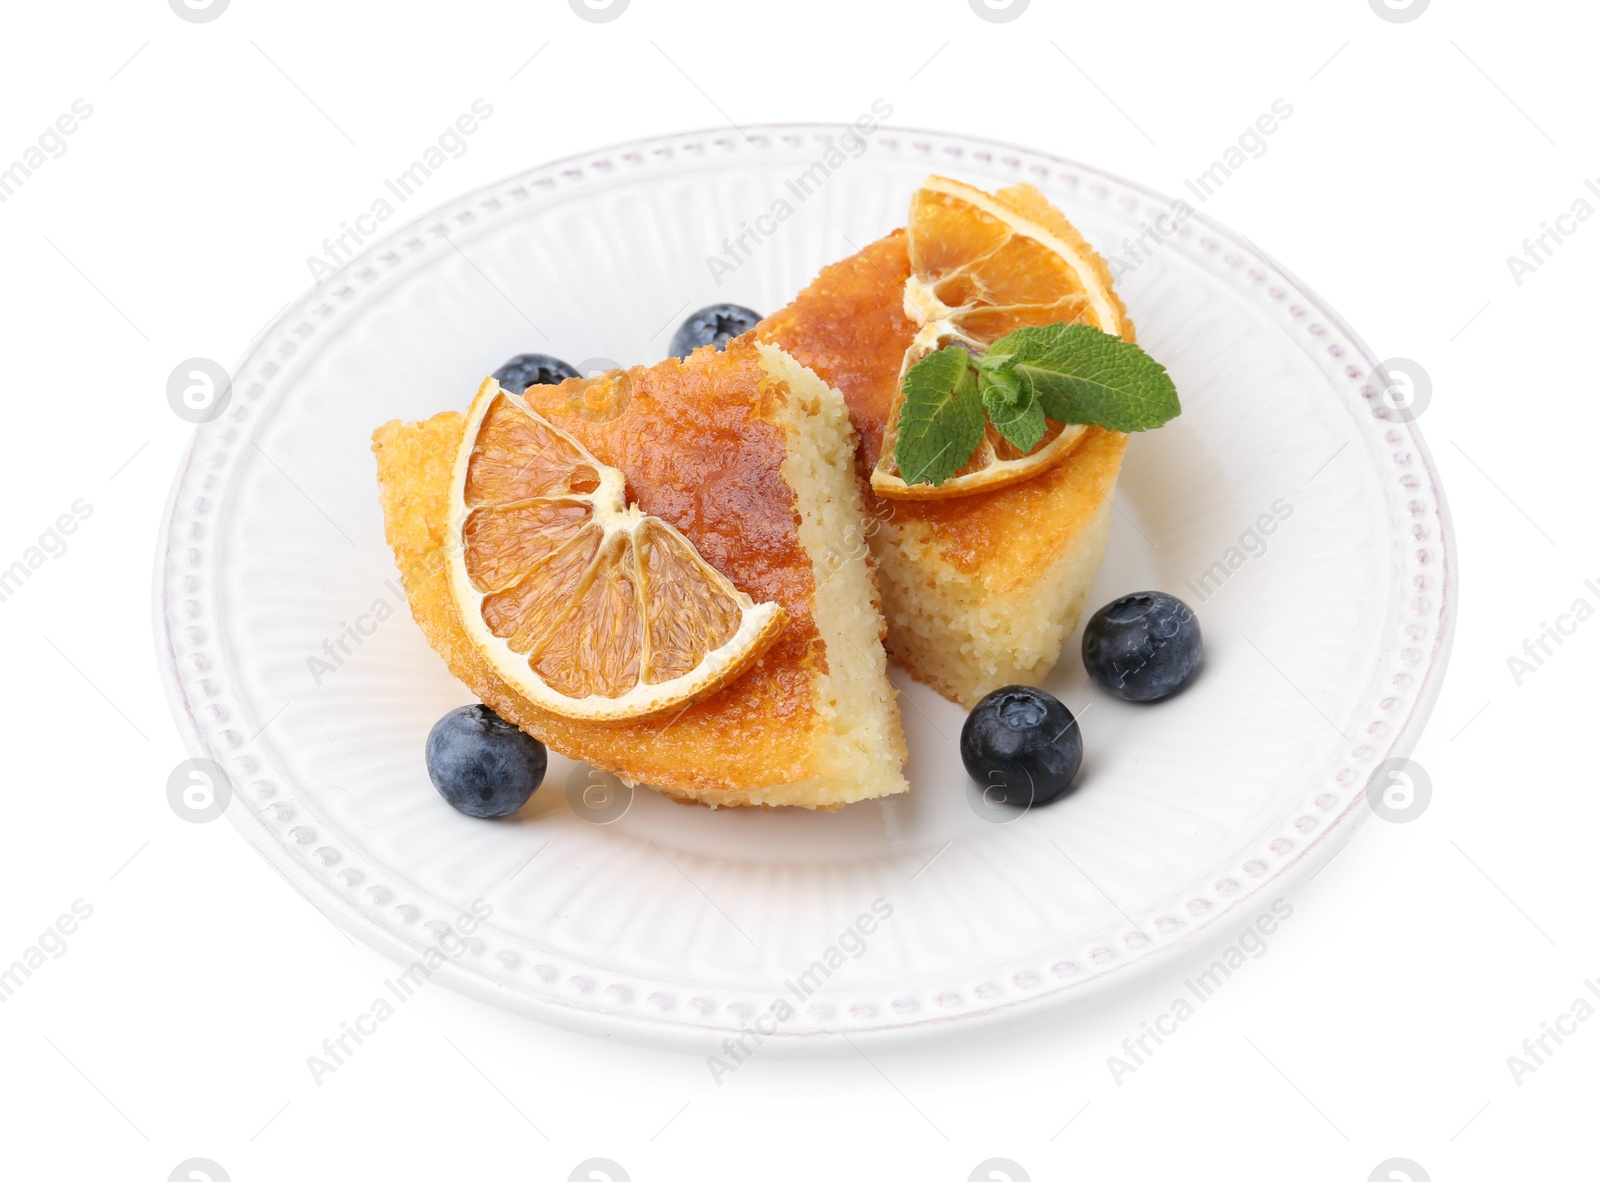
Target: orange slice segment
pixel 586 605
pixel 982 265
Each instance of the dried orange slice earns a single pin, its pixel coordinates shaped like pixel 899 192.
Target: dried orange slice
pixel 585 604
pixel 982 265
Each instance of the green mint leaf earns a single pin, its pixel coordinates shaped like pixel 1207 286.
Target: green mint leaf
pixel 1083 375
pixel 1015 412
pixel 1002 384
pixel 941 419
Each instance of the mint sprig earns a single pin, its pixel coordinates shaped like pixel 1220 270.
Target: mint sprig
pixel 941 420
pixel 1072 373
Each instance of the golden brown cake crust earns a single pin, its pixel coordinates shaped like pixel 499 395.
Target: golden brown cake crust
pixel 1005 537
pixel 849 328
pixel 709 464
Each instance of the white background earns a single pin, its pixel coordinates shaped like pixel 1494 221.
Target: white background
pixel 221 154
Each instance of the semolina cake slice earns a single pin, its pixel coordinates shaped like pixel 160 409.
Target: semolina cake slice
pixel 979 590
pixel 750 456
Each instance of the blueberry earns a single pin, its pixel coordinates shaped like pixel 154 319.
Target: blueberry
pixel 715 325
pixel 1022 745
pixel 481 764
pixel 533 369
pixel 1142 647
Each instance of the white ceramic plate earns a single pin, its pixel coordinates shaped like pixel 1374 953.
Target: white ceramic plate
pixel 1325 640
